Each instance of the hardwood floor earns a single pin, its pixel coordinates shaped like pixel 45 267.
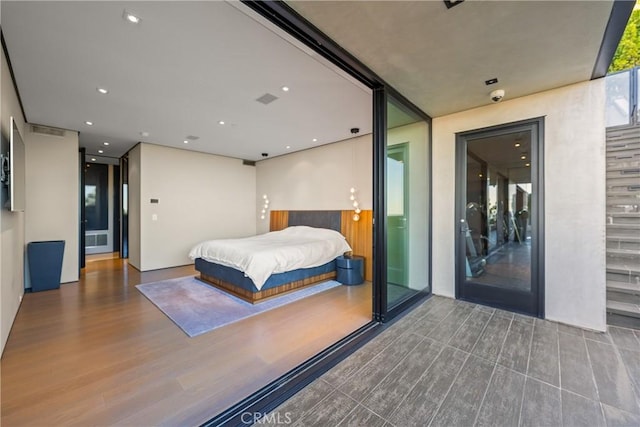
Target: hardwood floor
pixel 97 352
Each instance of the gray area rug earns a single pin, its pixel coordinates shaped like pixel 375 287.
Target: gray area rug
pixel 198 308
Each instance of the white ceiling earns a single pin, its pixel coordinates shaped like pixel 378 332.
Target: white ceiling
pixel 184 68
pixel 439 58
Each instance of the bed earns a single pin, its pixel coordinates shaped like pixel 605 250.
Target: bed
pixel 263 266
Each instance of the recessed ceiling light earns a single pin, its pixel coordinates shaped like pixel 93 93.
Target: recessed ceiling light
pixel 93 159
pixel 105 143
pixel 523 157
pixel 287 147
pixel 88 123
pixel 100 151
pixel 315 140
pixel 517 144
pixel 144 134
pixel 130 17
pixel 285 88
pixel 102 90
pixel 186 141
pixel 221 122
pixel 527 164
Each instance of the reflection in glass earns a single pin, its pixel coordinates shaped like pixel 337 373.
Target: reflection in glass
pixel 498 205
pixel 407 195
pixel 617 99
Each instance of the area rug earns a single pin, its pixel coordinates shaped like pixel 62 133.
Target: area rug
pixel 198 308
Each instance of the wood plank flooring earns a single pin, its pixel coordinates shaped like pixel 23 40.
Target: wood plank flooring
pixel 97 352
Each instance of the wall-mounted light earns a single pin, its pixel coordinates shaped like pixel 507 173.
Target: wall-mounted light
pixel 356 205
pixel 265 206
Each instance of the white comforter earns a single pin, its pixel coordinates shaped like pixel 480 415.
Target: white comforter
pixel 277 252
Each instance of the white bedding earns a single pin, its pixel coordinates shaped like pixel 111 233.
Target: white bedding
pixel 276 252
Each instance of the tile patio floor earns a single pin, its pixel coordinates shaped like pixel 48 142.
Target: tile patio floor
pixel 452 363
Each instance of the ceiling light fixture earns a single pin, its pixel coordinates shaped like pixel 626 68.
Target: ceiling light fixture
pixel 523 157
pixel 285 88
pixel 315 140
pixel 221 122
pixel 186 141
pixel 102 90
pixel 517 144
pixel 130 17
pixel 100 151
pixel 88 123
pixel 105 143
pixel 144 134
pixel 287 147
pixel 93 159
pixel 527 164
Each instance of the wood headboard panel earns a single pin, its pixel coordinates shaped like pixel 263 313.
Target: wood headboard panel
pixel 359 234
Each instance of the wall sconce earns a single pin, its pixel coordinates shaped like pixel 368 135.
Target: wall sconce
pixel 265 207
pixel 356 205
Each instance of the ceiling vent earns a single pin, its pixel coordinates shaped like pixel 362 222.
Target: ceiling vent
pixel 248 162
pixel 46 130
pixel 267 98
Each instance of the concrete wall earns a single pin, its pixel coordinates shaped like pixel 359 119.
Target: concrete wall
pixel 200 197
pixel 11 223
pixel 574 195
pixel 317 179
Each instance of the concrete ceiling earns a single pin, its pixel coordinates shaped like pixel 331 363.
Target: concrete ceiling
pixel 184 68
pixel 439 58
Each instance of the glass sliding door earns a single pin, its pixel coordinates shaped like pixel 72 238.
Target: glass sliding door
pixel 407 204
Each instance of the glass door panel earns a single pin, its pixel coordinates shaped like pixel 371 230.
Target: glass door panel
pixel 407 204
pixel 497 220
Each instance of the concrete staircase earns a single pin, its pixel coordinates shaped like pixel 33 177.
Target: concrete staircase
pixel 623 227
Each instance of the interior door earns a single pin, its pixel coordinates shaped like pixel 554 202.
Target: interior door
pixel 498 213
pixel 83 219
pixel 397 233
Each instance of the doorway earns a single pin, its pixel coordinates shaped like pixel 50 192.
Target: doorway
pixel 499 212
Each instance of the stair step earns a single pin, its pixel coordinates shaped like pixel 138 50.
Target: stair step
pixel 623 308
pixel 631 269
pixel 624 214
pixel 633 227
pixel 626 253
pixel 623 238
pixel 623 287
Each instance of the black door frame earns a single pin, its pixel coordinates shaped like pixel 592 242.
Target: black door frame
pixel 533 303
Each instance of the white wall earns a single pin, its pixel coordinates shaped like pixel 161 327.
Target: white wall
pixel 574 196
pixel 52 202
pixel 317 179
pixel 135 165
pixel 201 197
pixel 416 135
pixel 11 223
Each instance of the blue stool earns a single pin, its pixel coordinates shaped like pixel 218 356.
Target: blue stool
pixel 350 270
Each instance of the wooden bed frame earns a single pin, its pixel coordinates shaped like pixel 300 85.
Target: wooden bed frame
pixel 358 234
pixel 255 297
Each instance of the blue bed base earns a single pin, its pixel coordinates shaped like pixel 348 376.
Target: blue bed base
pixel 237 278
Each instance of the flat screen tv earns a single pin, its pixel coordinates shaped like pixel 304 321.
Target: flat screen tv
pixel 16 171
